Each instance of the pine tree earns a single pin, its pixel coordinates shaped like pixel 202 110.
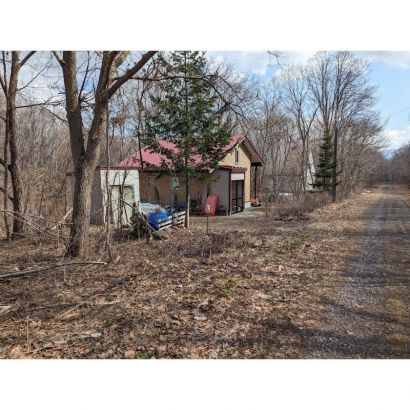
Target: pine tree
pixel 325 168
pixel 187 111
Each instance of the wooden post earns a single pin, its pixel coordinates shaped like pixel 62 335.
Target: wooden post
pixel 187 206
pixel 135 219
pixel 208 209
pixel 255 183
pixel 266 204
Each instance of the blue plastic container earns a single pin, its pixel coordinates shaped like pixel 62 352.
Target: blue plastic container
pixel 156 218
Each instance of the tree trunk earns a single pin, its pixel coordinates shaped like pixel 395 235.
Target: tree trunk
pixel 6 182
pixel 85 154
pixel 15 171
pixel 11 143
pixel 83 180
pixel 304 166
pixel 85 166
pixel 187 204
pixel 334 177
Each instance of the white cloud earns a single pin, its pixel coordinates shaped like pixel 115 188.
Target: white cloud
pixel 298 57
pixel 397 138
pixel 255 62
pixel 258 62
pixel 400 59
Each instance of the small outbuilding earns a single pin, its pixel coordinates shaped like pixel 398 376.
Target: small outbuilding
pixel 124 190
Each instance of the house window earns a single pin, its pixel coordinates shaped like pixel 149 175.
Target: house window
pixel 150 180
pixel 174 182
pixel 236 156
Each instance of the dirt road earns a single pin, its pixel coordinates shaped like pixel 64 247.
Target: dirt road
pixel 368 315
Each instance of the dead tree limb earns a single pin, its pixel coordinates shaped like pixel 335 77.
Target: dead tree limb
pixel 15 274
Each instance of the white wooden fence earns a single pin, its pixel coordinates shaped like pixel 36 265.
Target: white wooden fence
pixel 175 219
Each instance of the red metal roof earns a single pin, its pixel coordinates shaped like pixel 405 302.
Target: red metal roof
pixel 156 159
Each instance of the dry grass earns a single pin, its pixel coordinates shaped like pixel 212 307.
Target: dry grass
pixel 298 206
pixel 235 293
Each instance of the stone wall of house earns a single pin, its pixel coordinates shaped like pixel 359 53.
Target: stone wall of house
pixel 157 189
pixel 244 162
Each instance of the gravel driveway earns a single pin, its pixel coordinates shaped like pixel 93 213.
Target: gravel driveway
pixel 368 316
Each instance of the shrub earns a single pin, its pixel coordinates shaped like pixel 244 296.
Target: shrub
pixel 297 206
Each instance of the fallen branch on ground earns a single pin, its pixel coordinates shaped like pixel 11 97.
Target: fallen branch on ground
pixel 13 274
pixel 88 302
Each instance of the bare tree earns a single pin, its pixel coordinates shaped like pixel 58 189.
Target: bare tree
pixel 302 109
pixel 85 146
pixel 340 87
pixel 400 165
pixel 271 131
pixel 45 154
pixel 9 84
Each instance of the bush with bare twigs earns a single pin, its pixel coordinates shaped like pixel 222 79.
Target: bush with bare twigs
pixel 298 206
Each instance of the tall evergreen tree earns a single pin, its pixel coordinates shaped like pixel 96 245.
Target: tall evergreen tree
pixel 325 167
pixel 188 112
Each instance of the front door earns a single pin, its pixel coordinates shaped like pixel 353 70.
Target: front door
pixel 237 196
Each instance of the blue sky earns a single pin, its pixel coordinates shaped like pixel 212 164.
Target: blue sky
pixel 390 72
pixel 394 92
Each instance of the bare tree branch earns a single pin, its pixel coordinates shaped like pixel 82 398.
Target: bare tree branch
pixel 26 58
pixel 58 58
pixel 130 73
